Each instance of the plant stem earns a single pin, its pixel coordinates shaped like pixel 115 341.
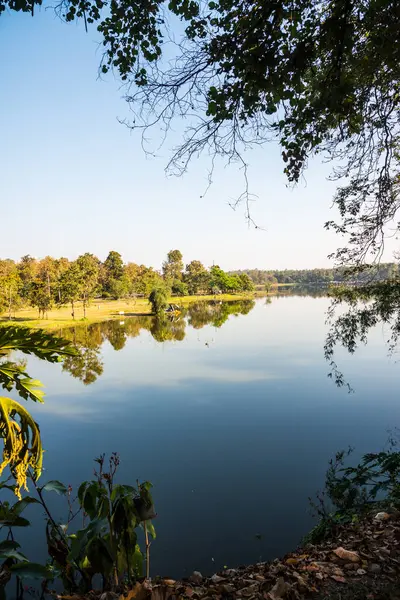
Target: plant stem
pixel 146 537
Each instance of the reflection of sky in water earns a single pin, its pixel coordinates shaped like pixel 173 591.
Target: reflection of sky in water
pixel 235 434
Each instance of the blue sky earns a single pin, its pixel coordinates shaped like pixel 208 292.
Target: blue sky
pixel 75 180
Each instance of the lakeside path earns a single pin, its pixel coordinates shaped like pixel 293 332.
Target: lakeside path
pixel 104 310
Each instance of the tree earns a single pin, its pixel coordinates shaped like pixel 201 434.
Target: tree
pixel 114 265
pixel 196 277
pixel 27 270
pixel 179 288
pixel 10 284
pixel 71 286
pixel 113 269
pixel 88 264
pixel 119 288
pixel 39 297
pixel 173 266
pixel 158 299
pixel 246 283
pixel 221 281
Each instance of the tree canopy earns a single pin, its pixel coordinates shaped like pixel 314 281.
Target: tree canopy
pixel 319 76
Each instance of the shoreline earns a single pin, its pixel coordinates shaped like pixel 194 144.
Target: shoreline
pixel 106 310
pixel 360 562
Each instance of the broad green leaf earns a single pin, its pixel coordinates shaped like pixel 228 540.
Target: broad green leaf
pixel 29 570
pixel 19 506
pixel 13 554
pixel 9 545
pixel 122 490
pixel 54 486
pixel 137 561
pixel 15 522
pixel 151 530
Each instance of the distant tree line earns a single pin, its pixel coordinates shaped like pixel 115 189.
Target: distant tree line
pixel 318 276
pixel 51 282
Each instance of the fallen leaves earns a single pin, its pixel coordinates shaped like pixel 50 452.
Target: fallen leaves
pixel 347 555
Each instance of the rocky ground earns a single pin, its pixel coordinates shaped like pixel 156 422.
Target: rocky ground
pixel 362 562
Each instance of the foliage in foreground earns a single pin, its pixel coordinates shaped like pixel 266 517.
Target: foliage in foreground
pixel 22 446
pixel 350 491
pixel 107 544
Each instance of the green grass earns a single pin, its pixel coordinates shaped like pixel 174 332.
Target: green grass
pixel 102 310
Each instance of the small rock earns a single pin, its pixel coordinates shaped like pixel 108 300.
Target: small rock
pixel 350 566
pixel 217 579
pixel 382 516
pixel 319 576
pixel 196 577
pixel 230 572
pixel 361 572
pixel 169 582
pixel 374 568
pixel 260 578
pixel 348 555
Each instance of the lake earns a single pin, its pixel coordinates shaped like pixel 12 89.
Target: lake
pixel 227 411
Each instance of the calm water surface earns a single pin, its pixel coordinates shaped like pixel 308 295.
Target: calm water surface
pixel 233 421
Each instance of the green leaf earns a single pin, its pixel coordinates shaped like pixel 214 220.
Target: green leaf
pixel 151 530
pixel 13 554
pixel 137 561
pixel 55 486
pixel 29 570
pixel 14 522
pixel 8 545
pixel 19 506
pixel 81 539
pixel 91 497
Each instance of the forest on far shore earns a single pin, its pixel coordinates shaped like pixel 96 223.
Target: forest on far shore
pixel 315 276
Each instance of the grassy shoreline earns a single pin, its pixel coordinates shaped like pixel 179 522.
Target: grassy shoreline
pixel 104 310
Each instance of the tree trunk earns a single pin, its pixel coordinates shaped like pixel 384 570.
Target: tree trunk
pixel 9 306
pixel 73 310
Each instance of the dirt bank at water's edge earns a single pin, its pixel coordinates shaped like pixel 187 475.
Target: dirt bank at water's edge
pixel 362 562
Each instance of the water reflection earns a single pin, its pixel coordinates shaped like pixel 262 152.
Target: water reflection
pixel 88 365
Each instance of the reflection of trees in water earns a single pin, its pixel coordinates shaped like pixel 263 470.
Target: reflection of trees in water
pixel 88 339
pixel 216 313
pixel 87 364
pixel 314 291
pixel 164 329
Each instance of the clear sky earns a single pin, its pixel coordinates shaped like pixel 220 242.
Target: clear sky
pixel 74 180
